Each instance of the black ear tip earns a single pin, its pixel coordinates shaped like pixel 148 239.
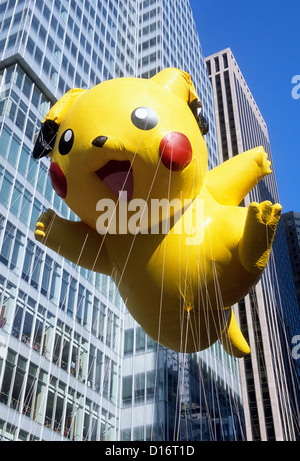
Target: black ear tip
pixel 203 124
pixel 45 140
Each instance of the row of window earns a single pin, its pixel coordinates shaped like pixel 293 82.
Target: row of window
pixel 41 330
pixel 135 340
pixel 29 390
pixel 19 200
pixel 38 269
pixel 19 197
pixel 17 111
pixel 143 433
pixel 139 388
pixel 252 133
pixel 216 64
pixel 50 60
pixel 32 94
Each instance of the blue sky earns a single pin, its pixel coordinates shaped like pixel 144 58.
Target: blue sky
pixel 264 36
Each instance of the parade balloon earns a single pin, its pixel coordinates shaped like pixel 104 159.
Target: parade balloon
pixel 129 157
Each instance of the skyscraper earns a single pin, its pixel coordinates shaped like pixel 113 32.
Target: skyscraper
pixel 268 315
pixel 291 222
pixel 61 336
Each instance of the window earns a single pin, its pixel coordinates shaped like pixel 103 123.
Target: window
pixel 128 342
pixel 46 275
pixel 150 383
pixel 113 382
pixel 139 388
pixel 7 244
pixel 54 76
pixel 6 188
pixel 37 265
pixel 35 214
pixel 29 131
pixel 7 378
pixel 20 119
pixel 127 391
pixel 4 141
pixel 17 198
pixel 27 87
pixel 102 321
pixel 42 178
pixel 28 260
pixel 32 170
pixel 24 159
pixel 17 322
pixel 64 290
pixel 217 65
pixel 140 340
pixel 87 307
pixel 17 253
pixel 151 344
pixel 72 297
pixel 49 189
pixel 54 290
pixel 25 208
pixel 27 327
pixel 225 61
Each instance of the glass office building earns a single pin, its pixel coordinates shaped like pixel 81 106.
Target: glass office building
pixel 61 335
pixel 73 363
pixel 269 315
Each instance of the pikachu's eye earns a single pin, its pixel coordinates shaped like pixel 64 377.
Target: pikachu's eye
pixel 66 142
pixel 144 118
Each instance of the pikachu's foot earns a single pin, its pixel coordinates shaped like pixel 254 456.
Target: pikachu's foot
pixel 259 232
pixel 232 338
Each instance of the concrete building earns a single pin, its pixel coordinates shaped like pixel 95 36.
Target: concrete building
pixel 268 315
pixel 291 222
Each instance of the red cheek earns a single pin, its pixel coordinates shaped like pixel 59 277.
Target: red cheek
pixel 175 151
pixel 58 180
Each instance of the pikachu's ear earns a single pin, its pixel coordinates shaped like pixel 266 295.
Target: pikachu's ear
pixel 180 83
pixel 45 141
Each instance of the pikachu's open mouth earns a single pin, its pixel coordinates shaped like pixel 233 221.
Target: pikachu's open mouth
pixel 118 177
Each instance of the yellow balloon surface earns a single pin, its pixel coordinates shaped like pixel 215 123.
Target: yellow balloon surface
pixel 130 159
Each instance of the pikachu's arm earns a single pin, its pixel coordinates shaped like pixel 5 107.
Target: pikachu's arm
pixel 231 181
pixel 73 240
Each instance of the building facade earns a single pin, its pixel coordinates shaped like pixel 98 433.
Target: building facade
pixel 62 326
pixel 73 363
pixel 291 222
pixel 268 315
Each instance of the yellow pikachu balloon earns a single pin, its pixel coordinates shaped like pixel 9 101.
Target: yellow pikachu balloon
pixel 129 158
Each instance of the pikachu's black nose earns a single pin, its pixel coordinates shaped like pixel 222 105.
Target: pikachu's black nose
pixel 99 141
